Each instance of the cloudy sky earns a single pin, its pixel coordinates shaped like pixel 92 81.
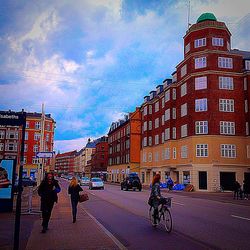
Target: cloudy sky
pixel 91 61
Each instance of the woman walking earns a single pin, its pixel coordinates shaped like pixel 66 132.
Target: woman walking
pixel 73 190
pixel 155 196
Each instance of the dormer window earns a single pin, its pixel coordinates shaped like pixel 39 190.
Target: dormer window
pixel 217 41
pixel 200 42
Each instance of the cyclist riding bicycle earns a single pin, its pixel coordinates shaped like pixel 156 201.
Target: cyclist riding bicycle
pixel 155 197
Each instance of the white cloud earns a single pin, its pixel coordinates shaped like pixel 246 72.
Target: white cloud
pixel 70 145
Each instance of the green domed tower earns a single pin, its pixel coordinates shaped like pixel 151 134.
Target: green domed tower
pixel 206 17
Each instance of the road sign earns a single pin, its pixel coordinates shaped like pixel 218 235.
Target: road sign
pixel 44 154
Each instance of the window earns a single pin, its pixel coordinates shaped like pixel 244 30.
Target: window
pixel 174 94
pixel 200 82
pixel 145 126
pixel 226 105
pixel 150 109
pixel 174 132
pixel 1 146
pixel 149 157
pixel 225 62
pixel 12 135
pixel 145 110
pixel 167 95
pixel 162 102
pixel 183 89
pixel 216 41
pixel 228 150
pixel 167 153
pixel 162 120
pixel 144 156
pixel 150 141
pixel 248 151
pixel 35 160
pixel 25 147
pixel 35 148
pixel 184 70
pixel 174 153
pixel 167 134
pixel 201 127
pixel 226 83
pixel 47 137
pixel 150 125
pixel 184 151
pixel 37 125
pixel 200 62
pixel 11 147
pixel 201 105
pixel 246 106
pixel 201 150
pixel 48 126
pixel 199 42
pixel 184 130
pixel 174 113
pixel 157 123
pixel 156 139
pixel 187 48
pixel 26 136
pixel 245 83
pixel 156 156
pixel 247 128
pixel 247 65
pixel 27 124
pixel 156 106
pixel 183 109
pixel 2 133
pixel 162 137
pixel 227 128
pixel 167 114
pixel 37 136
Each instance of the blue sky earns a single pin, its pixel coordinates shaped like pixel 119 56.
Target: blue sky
pixel 92 61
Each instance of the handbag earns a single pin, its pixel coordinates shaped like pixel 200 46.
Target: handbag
pixel 83 197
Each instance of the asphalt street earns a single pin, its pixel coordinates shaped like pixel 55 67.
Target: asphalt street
pixel 198 223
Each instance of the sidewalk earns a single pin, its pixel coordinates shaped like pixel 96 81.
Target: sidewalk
pixel 63 234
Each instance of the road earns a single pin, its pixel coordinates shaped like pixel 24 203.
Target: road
pixel 198 223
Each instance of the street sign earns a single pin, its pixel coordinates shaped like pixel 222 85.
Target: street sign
pixel 44 154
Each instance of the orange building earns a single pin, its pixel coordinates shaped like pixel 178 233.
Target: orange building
pixel 124 140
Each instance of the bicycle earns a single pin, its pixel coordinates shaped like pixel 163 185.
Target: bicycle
pixel 165 217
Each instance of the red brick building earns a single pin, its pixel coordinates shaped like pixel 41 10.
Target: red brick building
pixel 65 163
pixel 196 125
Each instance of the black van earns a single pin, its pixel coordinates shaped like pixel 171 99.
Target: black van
pixel 132 181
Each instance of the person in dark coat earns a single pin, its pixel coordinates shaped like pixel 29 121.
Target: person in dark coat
pixel 155 196
pixel 236 189
pixel 170 184
pixel 48 190
pixel 245 190
pixel 74 189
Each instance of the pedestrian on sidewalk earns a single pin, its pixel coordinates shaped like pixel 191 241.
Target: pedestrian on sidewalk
pixel 48 190
pixel 236 189
pixel 74 189
pixel 245 190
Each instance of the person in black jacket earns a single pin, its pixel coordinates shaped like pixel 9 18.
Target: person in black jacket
pixel 74 190
pixel 48 190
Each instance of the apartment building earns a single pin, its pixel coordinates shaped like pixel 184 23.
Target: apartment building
pixel 124 146
pixel 195 126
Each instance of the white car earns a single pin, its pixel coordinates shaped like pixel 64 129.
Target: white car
pixel 84 181
pixel 96 183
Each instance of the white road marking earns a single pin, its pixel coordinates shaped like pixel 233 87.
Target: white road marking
pixel 239 217
pixel 92 193
pixel 178 203
pixel 106 231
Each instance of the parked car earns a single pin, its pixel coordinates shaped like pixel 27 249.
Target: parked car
pixel 27 181
pixel 84 181
pixel 132 181
pixel 96 183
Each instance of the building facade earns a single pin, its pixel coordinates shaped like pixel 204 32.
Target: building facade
pixel 65 163
pixel 124 146
pixel 195 126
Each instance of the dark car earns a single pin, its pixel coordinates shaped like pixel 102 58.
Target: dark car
pixel 27 181
pixel 131 182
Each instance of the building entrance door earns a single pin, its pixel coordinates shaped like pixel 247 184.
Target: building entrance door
pixel 227 180
pixel 203 180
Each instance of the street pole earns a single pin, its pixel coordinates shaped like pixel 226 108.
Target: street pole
pixel 20 188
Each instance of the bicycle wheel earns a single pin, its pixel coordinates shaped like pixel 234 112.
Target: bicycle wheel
pixel 167 220
pixel 151 215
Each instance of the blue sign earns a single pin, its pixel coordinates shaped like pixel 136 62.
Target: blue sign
pixel 6 178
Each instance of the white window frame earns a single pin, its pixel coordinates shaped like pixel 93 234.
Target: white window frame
pixel 184 131
pixel 245 83
pixel 145 110
pixel 246 106
pixel 145 127
pixel 200 62
pixel 226 105
pixel 174 132
pixel 167 134
pixel 187 48
pixel 201 150
pixel 167 114
pixel 150 109
pixel 174 113
pixel 227 128
pixel 150 141
pixel 174 153
pixel 2 134
pixel 200 82
pixel 162 102
pixel 162 120
pixel 184 109
pixel 157 123
pixel 226 83
pixel 247 64
pixel 167 96
pixel 228 150
pixel 149 125
pixel 183 70
pixel 183 89
pixel 38 125
pixel 247 128
pixel 156 139
pixel 217 41
pixel 201 42
pixel 157 106
pixel 174 94
pixel 162 137
pixel 225 62
pixel 184 151
pixel 201 127
pixel 1 146
pixel 201 105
